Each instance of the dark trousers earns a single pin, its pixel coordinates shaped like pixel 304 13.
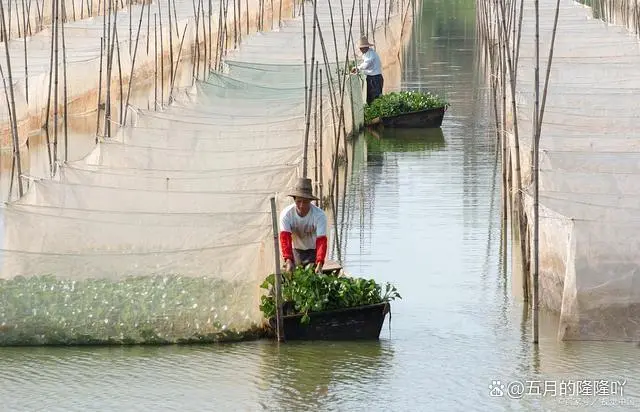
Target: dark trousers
pixel 374 87
pixel 304 257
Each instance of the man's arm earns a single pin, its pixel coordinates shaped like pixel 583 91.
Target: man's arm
pixel 286 241
pixel 367 62
pixel 321 239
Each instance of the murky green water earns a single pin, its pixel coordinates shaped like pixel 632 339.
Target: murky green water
pixel 422 211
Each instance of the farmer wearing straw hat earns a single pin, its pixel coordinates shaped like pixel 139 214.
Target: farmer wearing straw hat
pixel 303 229
pixel 371 66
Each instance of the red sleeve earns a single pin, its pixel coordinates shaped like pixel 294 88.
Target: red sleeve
pixel 321 249
pixel 286 245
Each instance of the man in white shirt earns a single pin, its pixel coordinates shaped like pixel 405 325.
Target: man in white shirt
pixel 303 229
pixel 371 66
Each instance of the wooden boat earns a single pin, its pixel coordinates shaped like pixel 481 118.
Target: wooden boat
pixel 429 118
pixel 357 323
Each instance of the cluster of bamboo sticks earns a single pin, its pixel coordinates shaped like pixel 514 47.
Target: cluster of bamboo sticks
pixel 207 53
pixel 500 26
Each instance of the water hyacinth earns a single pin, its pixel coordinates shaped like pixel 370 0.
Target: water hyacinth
pixel 43 310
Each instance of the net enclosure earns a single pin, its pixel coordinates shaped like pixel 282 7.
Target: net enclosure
pixel 163 233
pixel 588 174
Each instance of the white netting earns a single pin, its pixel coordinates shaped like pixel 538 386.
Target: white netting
pixel 589 168
pixel 163 232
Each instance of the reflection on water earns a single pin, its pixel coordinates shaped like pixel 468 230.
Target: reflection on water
pixel 306 376
pixel 422 211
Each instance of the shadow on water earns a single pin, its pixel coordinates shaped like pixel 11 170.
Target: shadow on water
pixel 311 374
pixel 404 140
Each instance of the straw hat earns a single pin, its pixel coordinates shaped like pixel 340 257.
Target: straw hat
pixel 303 188
pixel 364 42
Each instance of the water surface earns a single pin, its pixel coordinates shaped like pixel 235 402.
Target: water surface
pixel 422 210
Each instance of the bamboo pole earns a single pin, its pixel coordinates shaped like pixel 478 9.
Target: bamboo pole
pixel 161 56
pixel 130 13
pixel 211 32
pixel 99 90
pixel 341 121
pixel 196 46
pixel 55 85
pixel 14 122
pixel 148 28
pixel 304 48
pixel 121 95
pixel 204 39
pixel 308 103
pixel 184 32
pixel 65 85
pixel 170 45
pixel 133 64
pixel 278 291
pixel 534 147
pixel 155 61
pixel 315 138
pixel 329 80
pixel 112 36
pixel 335 40
pixel 320 144
pixel 516 149
pixel 538 124
pixel 26 63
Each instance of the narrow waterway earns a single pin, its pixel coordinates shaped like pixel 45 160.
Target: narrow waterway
pixel 422 211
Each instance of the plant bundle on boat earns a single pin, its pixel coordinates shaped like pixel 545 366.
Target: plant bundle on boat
pixel 328 306
pixel 407 109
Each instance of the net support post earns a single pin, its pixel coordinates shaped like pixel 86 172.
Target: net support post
pixel 278 291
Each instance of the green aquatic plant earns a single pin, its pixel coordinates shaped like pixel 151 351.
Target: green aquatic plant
pixel 395 103
pixel 304 291
pixel 166 309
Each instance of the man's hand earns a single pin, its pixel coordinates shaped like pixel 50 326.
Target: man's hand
pixel 318 268
pixel 354 70
pixel 289 266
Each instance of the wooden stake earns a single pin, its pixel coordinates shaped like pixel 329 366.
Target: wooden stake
pixel 278 291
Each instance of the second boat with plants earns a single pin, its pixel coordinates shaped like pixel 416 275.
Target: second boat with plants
pixel 406 109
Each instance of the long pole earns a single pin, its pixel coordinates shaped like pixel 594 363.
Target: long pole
pixel 133 65
pixel 320 145
pixel 14 123
pixel 26 69
pixel 276 247
pixel 64 86
pixel 99 92
pixel 304 48
pixel 308 111
pixel 536 222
